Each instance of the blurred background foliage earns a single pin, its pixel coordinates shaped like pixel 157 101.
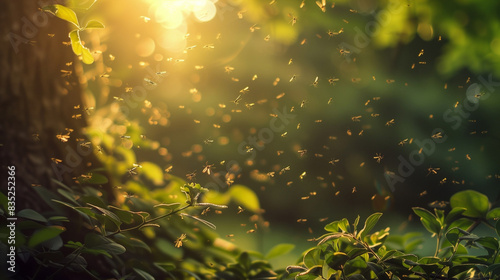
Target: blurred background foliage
pixel 361 78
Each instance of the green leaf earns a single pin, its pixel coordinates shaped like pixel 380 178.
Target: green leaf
pixel 139 244
pixel 279 250
pixel 476 203
pixel 344 225
pixel 497 227
pixel 96 178
pixel 94 24
pixel 429 221
pixel 97 242
pixel 143 274
pixel 79 49
pixel 149 225
pixel 207 223
pixel 493 214
pixel 245 197
pixel 112 216
pixel 126 216
pixel 87 56
pixel 58 219
pixel 45 234
pixel 64 13
pixel 454 214
pixel 76 44
pixel 494 269
pixel 312 258
pixel 32 215
pixel 73 245
pixel 165 266
pixel 378 270
pixel 244 260
pixel 370 223
pixel 453 236
pixel 490 244
pixel 153 172
pixel 192 192
pixel 355 224
pixel 336 260
pixel 456 269
pixel 169 206
pixel 333 226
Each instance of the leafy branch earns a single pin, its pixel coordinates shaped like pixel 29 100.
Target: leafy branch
pixel 69 15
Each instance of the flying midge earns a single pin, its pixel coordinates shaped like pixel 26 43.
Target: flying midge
pixel 294 19
pixel 245 90
pixel 356 118
pixel 276 81
pixel 180 240
pixel 333 80
pixel 254 27
pixel 191 176
pixel 150 81
pixel 88 109
pixel 316 80
pixel 378 157
pixel 322 5
pixel 432 170
pixel 228 69
pixel 208 168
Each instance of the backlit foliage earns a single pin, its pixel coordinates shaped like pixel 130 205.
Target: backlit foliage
pixel 287 113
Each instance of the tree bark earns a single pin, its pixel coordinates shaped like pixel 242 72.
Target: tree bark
pixel 40 102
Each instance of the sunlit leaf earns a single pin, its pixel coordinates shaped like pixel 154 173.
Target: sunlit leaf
pixel 279 250
pixel 493 214
pixel 45 234
pixel 169 206
pixel 64 13
pixel 76 44
pixel 332 227
pixel 344 225
pixel 429 221
pixel 245 197
pixel 94 24
pixel 87 56
pixel 370 223
pixel 153 172
pixel 454 214
pixel 476 203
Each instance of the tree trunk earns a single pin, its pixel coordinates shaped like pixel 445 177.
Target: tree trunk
pixel 40 102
